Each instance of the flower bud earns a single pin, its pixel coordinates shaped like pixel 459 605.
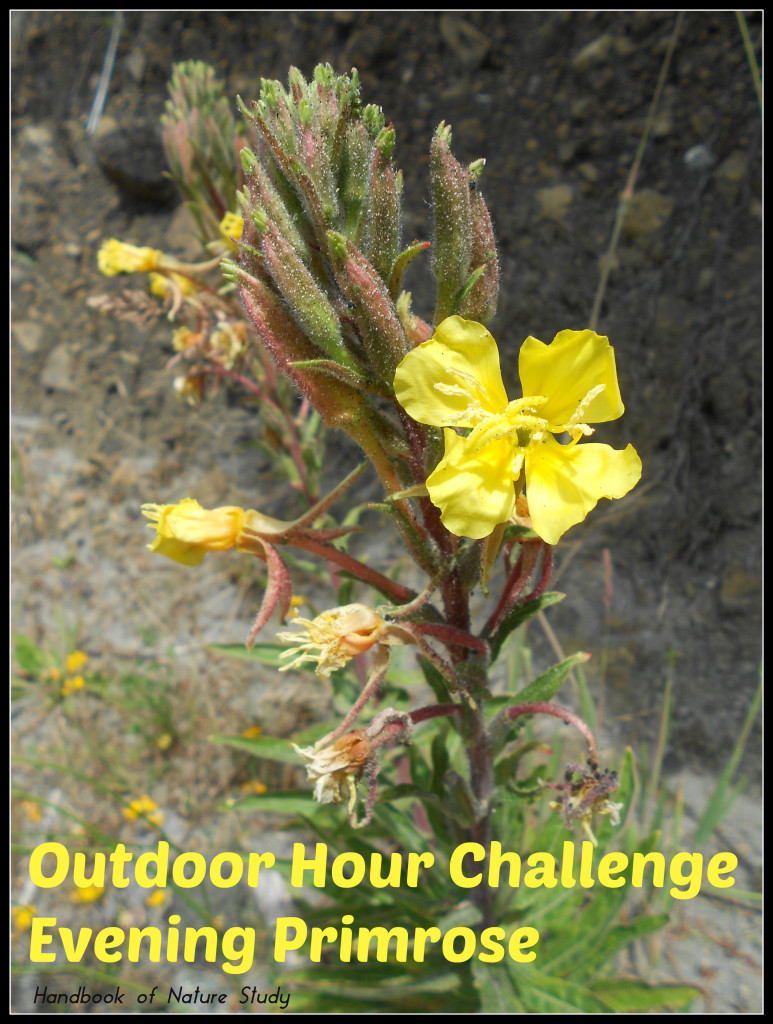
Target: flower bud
pixel 452 234
pixel 310 306
pixel 383 241
pixel 374 312
pixel 481 301
pixel 354 179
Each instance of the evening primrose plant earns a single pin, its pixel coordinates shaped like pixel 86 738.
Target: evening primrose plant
pixel 477 485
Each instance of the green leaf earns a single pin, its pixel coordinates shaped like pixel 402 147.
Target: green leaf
pixel 626 995
pixel 520 614
pixel 290 803
pixel 400 264
pixel 267 654
pixel 270 748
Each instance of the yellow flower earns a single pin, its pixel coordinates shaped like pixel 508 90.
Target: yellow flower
pixel 160 285
pixel 72 684
pixel 145 808
pixel 252 732
pixel 454 380
pixel 88 894
pixel 336 636
pixel 22 917
pixel 116 257
pixel 155 899
pixel 186 531
pixel 230 226
pixel 254 786
pixel 75 661
pixel 32 810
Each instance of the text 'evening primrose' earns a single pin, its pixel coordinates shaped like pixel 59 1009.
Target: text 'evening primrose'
pixel 454 381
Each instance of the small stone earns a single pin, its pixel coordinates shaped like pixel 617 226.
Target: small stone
pixel 647 212
pixel 733 168
pixel 594 53
pixel 662 125
pixel 468 43
pixel 589 172
pixel 28 334
pixel 705 279
pixel 555 202
pixel 58 371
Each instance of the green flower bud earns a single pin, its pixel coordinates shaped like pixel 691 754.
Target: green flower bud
pixel 310 306
pixel 248 159
pixel 452 234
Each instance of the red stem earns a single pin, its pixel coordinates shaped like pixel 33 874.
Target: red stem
pixel 543 708
pixel 398 593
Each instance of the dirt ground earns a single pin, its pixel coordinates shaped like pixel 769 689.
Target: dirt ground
pixel 556 103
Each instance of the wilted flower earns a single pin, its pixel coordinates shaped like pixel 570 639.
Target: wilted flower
pixel 334 769
pixel 337 636
pixel 587 796
pixel 186 531
pixel 454 380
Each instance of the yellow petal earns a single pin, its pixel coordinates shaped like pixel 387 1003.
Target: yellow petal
pixel 178 551
pixel 565 371
pixel 473 491
pixel 564 482
pixel 460 354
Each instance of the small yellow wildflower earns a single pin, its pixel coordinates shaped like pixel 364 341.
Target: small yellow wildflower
pixel 72 684
pixel 90 894
pixel 22 916
pixel 164 741
pixel 252 732
pixel 75 662
pixel 253 786
pixel 116 257
pixel 231 226
pixel 337 636
pixel 32 810
pixel 161 286
pixel 145 808
pixel 453 380
pixel 155 899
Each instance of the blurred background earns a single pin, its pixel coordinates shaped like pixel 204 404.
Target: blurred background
pixel 665 584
